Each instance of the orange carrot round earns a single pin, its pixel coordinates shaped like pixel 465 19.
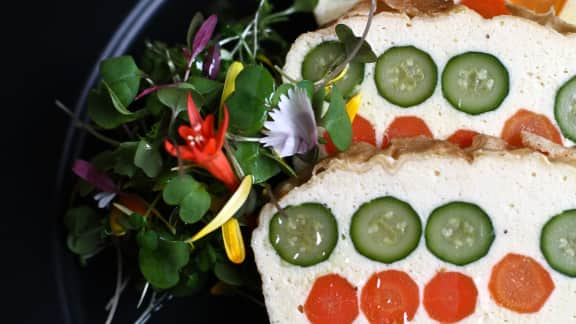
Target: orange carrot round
pixel 332 300
pixel 462 137
pixel 519 283
pixel 525 120
pixel 405 126
pixel 487 8
pixel 450 296
pixel 362 131
pixel 390 297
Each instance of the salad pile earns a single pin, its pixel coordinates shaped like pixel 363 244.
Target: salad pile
pixel 195 136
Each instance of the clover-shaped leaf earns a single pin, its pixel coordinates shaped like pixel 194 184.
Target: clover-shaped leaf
pixel 190 195
pixel 161 266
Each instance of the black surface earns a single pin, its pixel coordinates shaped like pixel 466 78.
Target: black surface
pixel 48 51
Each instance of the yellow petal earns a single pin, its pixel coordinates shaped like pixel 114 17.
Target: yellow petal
pixel 327 89
pixel 353 105
pixel 114 220
pixel 229 83
pixel 230 208
pixel 233 242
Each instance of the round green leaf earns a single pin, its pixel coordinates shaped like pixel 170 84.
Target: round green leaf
pixel 194 205
pixel 178 188
pixel 255 81
pixel 253 161
pixel 161 267
pixel 148 158
pixel 229 273
pixel 247 112
pixel 122 79
pixel 148 240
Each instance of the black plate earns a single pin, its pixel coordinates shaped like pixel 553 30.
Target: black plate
pixel 83 291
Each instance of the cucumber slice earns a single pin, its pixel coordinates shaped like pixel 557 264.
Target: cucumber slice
pixel 385 229
pixel 325 57
pixel 558 242
pixel 459 233
pixel 405 76
pixel 475 82
pixel 306 235
pixel 565 109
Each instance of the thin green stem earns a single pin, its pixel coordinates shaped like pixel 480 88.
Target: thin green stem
pixel 78 123
pixel 355 51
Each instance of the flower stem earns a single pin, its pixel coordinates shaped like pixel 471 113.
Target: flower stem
pixel 357 47
pixel 78 123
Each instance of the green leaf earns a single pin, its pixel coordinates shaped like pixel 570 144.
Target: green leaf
pixel 229 273
pixel 193 27
pixel 81 219
pixel 337 122
pixel 205 86
pixel 206 258
pixel 308 86
pixel 161 267
pixel 102 111
pixel 153 105
pixel 247 113
pixel 121 77
pixel 148 158
pixel 318 103
pixel 304 5
pixel 85 228
pixel 282 90
pixel 179 187
pixel 190 283
pixel 255 81
pixel 253 161
pixel 195 205
pixel 147 240
pixel 124 159
pixel 176 98
pixel 346 36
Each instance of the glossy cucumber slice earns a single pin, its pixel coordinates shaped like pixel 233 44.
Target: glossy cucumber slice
pixel 405 76
pixel 385 229
pixel 459 233
pixel 305 235
pixel 565 109
pixel 475 82
pixel 325 57
pixel 558 242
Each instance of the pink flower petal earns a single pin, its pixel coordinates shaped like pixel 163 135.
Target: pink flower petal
pixel 203 35
pixel 93 176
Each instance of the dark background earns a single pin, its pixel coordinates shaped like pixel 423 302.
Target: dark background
pixel 48 49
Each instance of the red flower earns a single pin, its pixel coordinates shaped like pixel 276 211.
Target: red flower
pixel 204 145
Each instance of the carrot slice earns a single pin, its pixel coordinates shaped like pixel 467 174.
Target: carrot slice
pixel 362 131
pixel 525 120
pixel 332 299
pixel 462 137
pixel 450 296
pixel 519 283
pixel 390 297
pixel 487 8
pixel 405 126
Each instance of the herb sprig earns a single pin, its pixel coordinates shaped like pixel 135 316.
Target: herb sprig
pixel 197 137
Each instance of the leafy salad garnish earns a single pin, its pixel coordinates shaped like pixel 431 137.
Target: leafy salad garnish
pixel 195 135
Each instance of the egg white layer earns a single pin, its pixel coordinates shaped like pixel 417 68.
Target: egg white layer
pixel 539 61
pixel 519 192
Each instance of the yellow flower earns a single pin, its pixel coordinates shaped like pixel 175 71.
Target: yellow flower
pixel 233 242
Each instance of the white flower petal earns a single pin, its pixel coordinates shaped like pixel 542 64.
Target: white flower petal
pixel 293 128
